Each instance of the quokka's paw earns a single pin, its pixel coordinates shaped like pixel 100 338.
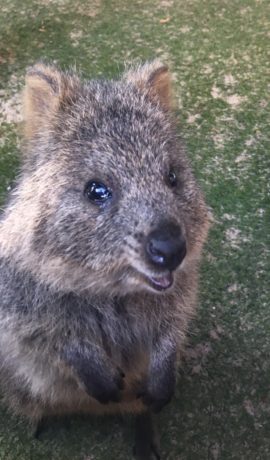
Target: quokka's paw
pixel 157 389
pixel 108 389
pixel 97 376
pixel 155 394
pixel 153 401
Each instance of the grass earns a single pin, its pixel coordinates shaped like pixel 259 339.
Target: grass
pixel 219 53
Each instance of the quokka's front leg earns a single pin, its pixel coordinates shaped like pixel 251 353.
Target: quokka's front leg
pixel 100 379
pixel 159 385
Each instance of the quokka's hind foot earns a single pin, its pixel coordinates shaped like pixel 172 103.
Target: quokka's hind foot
pixel 146 438
pixel 39 427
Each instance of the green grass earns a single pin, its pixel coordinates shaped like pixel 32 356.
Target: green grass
pixel 219 53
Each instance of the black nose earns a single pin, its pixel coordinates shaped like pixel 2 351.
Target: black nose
pixel 166 246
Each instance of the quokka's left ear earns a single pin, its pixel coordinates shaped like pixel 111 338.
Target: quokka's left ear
pixel 155 79
pixel 46 87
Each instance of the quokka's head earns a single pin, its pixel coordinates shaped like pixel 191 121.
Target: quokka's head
pixel 116 205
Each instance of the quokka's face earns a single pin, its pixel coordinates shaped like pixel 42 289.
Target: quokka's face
pixel 123 204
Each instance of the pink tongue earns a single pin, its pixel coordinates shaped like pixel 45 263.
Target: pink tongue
pixel 163 281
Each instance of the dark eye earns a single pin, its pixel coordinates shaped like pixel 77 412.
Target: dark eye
pixel 172 179
pixel 97 192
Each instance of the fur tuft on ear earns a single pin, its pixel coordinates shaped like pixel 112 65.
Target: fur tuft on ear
pixel 46 87
pixel 155 79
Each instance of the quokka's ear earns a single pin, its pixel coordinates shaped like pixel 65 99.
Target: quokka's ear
pixel 155 79
pixel 46 87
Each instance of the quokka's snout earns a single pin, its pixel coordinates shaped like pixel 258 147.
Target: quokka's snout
pixel 165 246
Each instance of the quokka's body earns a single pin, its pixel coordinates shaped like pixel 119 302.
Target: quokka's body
pixel 99 248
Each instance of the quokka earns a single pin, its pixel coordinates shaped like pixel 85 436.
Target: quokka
pixel 99 249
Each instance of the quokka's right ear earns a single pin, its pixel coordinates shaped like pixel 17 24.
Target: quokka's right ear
pixel 46 88
pixel 153 78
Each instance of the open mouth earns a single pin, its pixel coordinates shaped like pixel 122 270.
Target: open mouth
pixel 161 283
